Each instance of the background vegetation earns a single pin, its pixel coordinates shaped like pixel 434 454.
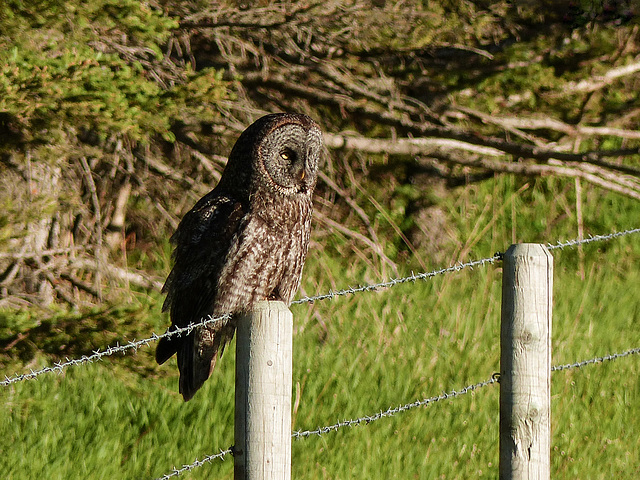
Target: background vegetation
pixel 453 129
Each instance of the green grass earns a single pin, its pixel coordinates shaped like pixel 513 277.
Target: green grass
pixel 360 354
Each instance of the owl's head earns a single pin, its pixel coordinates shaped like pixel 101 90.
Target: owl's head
pixel 279 152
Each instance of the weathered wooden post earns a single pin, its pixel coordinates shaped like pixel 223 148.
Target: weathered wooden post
pixel 262 447
pixel 525 363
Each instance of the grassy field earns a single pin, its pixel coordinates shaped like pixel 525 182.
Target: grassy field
pixel 357 355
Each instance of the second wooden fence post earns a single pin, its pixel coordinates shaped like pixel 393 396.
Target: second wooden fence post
pixel 262 447
pixel 525 363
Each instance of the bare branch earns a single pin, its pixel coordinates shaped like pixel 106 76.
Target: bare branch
pixel 121 274
pixel 547 123
pixel 405 146
pixel 600 81
pixel 595 173
pixel 536 169
pixel 46 253
pixel 99 259
pixel 80 284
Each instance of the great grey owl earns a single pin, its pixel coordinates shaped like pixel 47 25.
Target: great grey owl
pixel 243 242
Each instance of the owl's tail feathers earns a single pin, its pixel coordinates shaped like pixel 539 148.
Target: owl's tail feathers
pixel 167 347
pixel 193 370
pixel 197 357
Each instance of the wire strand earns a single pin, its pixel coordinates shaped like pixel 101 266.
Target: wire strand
pixel 591 361
pixel 398 281
pixel 196 464
pixel 456 268
pixel 99 354
pixel 367 419
pixel 592 238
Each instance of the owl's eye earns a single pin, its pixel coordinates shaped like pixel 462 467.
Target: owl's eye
pixel 288 155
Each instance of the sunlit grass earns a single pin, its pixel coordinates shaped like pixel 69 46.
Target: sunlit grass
pixel 357 355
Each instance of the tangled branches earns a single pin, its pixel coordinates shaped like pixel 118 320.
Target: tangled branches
pixel 106 145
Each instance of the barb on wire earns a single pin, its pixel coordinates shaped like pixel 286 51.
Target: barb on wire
pixel 99 354
pixel 367 419
pixel 592 238
pixel 397 281
pixel 591 361
pixel 196 464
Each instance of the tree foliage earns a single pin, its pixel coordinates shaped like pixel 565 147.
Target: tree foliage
pixel 115 116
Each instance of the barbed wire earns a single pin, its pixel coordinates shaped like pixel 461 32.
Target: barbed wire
pixel 197 463
pixel 99 354
pixel 368 419
pixel 455 268
pixel 398 281
pixel 591 361
pixel 592 238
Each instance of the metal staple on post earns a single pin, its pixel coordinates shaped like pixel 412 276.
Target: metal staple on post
pixel 525 363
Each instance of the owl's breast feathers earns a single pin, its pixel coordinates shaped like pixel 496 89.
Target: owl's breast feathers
pixel 267 254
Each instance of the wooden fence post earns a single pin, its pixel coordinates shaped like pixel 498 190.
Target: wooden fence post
pixel 525 363
pixel 262 447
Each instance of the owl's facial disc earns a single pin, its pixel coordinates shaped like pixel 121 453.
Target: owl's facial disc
pixel 291 158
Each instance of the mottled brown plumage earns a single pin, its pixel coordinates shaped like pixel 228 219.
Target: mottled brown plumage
pixel 244 241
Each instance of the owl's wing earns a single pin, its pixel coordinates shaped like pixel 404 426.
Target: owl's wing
pixel 202 240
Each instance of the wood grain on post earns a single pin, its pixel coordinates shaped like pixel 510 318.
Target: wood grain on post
pixel 262 447
pixel 525 363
